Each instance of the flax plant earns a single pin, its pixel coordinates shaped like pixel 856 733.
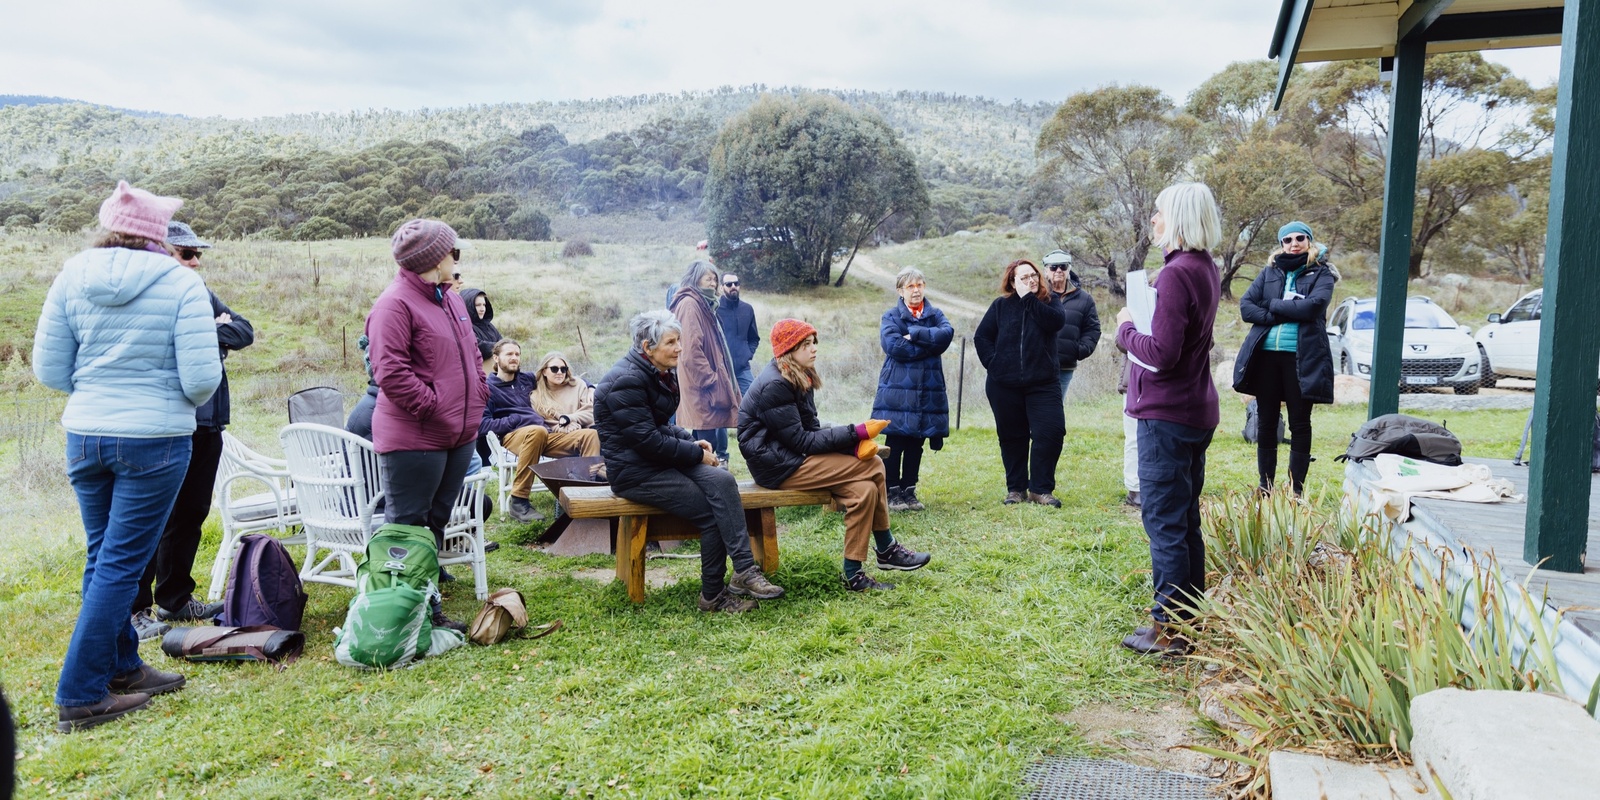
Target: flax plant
pixel 1333 631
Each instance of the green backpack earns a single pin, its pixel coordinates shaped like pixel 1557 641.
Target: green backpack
pixel 389 622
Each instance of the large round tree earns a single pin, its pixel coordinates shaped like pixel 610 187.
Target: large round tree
pixel 796 182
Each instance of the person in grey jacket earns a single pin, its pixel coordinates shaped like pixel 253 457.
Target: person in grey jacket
pixel 1080 331
pixel 128 333
pixel 167 581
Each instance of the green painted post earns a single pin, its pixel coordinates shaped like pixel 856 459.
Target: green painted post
pixel 1394 250
pixel 1564 400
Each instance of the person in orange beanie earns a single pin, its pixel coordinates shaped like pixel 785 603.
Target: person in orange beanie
pixel 786 447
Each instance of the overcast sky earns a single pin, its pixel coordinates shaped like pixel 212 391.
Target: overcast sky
pixel 251 59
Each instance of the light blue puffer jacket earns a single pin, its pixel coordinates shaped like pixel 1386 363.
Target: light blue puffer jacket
pixel 129 334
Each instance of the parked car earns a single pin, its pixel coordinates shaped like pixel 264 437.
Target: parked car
pixel 1436 351
pixel 1508 347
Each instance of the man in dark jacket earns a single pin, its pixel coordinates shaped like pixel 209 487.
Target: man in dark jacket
pixel 510 415
pixel 649 460
pixel 738 321
pixel 1081 332
pixel 169 572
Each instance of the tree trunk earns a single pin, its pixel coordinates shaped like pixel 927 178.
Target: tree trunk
pixel 1415 262
pixel 1227 278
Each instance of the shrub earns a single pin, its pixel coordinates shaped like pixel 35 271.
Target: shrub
pixel 576 247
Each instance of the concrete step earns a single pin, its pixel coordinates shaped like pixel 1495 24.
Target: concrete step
pixel 1490 745
pixel 1298 776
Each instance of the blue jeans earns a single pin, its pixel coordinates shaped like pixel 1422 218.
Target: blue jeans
pixel 1066 380
pixel 125 489
pixel 1172 472
pixel 744 378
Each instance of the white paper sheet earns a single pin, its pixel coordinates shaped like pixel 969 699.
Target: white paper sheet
pixel 1142 305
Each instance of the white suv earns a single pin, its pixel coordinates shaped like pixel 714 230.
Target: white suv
pixel 1508 347
pixel 1436 351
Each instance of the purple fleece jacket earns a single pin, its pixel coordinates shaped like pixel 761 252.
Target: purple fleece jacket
pixel 1179 346
pixel 425 361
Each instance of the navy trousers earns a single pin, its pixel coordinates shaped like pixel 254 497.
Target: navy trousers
pixel 1172 472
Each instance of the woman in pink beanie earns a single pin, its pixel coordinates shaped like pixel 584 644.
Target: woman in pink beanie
pixel 128 333
pixel 431 384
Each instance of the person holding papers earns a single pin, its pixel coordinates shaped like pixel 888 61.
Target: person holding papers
pixel 1285 361
pixel 1171 395
pixel 1016 341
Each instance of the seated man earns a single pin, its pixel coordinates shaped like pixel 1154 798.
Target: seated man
pixel 510 415
pixel 654 462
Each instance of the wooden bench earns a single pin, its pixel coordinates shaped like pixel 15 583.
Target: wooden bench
pixel 637 524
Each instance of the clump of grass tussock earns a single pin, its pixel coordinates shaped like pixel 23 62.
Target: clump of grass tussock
pixel 1333 635
pixel 575 248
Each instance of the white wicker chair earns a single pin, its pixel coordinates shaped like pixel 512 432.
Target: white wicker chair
pixel 504 464
pixel 241 475
pixel 463 537
pixel 338 485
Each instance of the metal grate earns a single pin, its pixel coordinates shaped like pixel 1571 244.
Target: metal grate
pixel 1094 779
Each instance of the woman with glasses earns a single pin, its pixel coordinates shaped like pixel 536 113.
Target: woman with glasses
pixel 1285 361
pixel 911 393
pixel 1016 342
pixel 565 400
pixel 431 384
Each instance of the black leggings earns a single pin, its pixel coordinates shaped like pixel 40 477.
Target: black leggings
pixel 1277 382
pixel 904 463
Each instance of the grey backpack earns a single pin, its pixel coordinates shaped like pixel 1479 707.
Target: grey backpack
pixel 1406 436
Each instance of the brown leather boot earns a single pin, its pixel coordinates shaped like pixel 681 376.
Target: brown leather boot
pixel 114 706
pixel 1157 640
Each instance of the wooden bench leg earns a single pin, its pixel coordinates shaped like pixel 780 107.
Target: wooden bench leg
pixel 762 523
pixel 637 536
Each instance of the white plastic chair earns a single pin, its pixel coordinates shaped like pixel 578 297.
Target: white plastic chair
pixel 241 474
pixel 504 464
pixel 338 485
pixel 463 536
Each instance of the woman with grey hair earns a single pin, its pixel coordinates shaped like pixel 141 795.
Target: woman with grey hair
pixel 651 461
pixel 710 395
pixel 911 393
pixel 1174 399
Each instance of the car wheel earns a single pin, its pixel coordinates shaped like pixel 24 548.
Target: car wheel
pixel 1486 376
pixel 1344 365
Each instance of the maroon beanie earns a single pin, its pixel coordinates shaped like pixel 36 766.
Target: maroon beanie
pixel 421 244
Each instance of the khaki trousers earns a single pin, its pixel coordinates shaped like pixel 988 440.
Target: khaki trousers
pixel 532 442
pixel 858 485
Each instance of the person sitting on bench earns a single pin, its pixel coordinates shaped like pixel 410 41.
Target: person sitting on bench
pixel 785 447
pixel 650 461
pixel 510 415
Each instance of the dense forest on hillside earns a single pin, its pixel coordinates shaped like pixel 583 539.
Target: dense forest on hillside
pixel 494 171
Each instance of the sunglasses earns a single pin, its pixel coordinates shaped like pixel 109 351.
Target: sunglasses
pixel 730 283
pixel 557 369
pixel 455 253
pixel 188 254
pixel 1058 267
pixel 1295 239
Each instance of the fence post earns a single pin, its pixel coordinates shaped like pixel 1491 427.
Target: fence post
pixel 961 381
pixel 344 346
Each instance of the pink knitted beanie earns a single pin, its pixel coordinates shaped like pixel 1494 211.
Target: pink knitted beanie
pixel 419 245
pixel 137 212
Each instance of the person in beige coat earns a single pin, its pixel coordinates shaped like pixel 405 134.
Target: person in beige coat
pixel 709 402
pixel 565 400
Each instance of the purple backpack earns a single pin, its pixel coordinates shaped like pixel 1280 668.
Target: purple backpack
pixel 264 587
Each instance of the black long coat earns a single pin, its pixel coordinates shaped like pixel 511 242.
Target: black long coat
pixel 1263 307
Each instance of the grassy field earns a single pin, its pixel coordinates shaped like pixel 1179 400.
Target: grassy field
pixel 947 687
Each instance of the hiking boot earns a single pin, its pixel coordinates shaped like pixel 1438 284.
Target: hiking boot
pixel 1157 640
pixel 445 577
pixel 753 583
pixel 523 511
pixel 191 611
pixel 1133 499
pixel 147 680
pixel 897 499
pixel 862 582
pixel 490 547
pixel 1046 499
pixel 442 621
pixel 727 603
pixel 902 558
pixel 1012 498
pixel 147 627
pixel 78 718
pixel 908 497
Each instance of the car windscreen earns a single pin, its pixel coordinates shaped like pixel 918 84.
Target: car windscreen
pixel 1418 315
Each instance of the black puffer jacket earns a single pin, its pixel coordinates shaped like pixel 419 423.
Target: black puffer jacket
pixel 1016 341
pixel 1263 307
pixel 1080 332
pixel 631 407
pixel 778 428
pixel 483 328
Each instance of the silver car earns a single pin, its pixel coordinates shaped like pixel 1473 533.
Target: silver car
pixel 1436 351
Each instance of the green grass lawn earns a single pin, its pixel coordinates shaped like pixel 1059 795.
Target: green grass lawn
pixel 948 686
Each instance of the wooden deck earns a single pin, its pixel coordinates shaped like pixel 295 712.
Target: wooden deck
pixel 1498 529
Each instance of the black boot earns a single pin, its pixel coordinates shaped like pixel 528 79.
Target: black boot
pixel 1299 465
pixel 1267 465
